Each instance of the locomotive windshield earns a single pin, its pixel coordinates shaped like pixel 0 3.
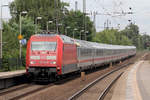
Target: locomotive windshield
pixel 49 46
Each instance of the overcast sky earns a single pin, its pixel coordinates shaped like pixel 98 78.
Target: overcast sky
pixel 140 8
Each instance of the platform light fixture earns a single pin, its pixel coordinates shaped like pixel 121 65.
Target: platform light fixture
pixel 49 22
pixel 75 29
pixel 36 21
pixel 68 27
pixel 81 34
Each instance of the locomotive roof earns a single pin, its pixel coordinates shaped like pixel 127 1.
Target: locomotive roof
pixel 87 44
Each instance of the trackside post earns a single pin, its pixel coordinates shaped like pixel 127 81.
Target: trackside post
pixel 83 76
pixel 110 64
pixel 120 62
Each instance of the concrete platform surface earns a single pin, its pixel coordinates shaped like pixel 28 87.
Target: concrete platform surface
pixel 143 80
pixel 4 75
pixel 127 87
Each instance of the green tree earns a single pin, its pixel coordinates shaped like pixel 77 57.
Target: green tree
pixel 132 32
pixel 112 36
pixel 28 27
pixel 47 9
pixel 10 39
pixel 74 19
pixel 145 41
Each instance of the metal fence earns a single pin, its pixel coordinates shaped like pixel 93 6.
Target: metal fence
pixel 12 64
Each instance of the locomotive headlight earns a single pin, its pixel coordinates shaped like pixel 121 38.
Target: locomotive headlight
pixel 53 62
pixel 51 57
pixel 35 57
pixel 32 62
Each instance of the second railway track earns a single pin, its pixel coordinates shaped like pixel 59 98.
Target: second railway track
pixel 97 89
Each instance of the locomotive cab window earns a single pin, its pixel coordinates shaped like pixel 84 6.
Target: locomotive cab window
pixel 49 46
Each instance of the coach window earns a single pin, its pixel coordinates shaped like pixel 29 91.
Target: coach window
pixel 101 52
pixel 96 52
pixel 104 52
pixel 82 52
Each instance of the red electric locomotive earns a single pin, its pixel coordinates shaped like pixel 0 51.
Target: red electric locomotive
pixel 45 59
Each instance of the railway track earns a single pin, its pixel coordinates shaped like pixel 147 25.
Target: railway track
pixel 29 90
pixel 97 89
pixel 15 88
pixel 22 91
pixel 103 94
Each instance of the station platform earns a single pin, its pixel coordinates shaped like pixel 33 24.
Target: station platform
pixel 11 74
pixel 134 84
pixel 8 79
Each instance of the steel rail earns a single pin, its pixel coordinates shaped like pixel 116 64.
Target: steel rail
pixel 15 89
pixel 30 92
pixel 77 94
pixel 103 94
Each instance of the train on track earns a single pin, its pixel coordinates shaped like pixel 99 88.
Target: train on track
pixel 50 55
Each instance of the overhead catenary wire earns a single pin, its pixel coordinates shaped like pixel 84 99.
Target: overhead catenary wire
pixel 104 8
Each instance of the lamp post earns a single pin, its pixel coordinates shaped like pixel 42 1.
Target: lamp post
pixel 66 29
pixel 86 35
pixel 81 34
pixel 75 29
pixel 36 21
pixel 59 26
pixel 23 12
pixel 1 56
pixel 49 22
